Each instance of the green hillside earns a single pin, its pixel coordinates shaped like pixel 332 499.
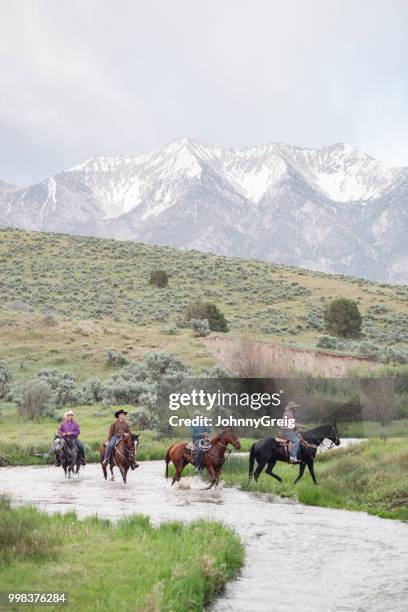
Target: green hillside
pixel 65 300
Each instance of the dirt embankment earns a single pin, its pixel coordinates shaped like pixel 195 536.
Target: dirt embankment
pixel 283 360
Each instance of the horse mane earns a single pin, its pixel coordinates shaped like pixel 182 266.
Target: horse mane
pixel 320 430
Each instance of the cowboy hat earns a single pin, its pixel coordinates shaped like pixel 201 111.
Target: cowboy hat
pixel 292 405
pixel 118 412
pixel 69 413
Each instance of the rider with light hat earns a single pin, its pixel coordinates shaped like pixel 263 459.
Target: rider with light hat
pixel 70 430
pixel 289 416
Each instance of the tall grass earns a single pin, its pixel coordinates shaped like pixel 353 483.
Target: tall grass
pixel 128 566
pixel 370 476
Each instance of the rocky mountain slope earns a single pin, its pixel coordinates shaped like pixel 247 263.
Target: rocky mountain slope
pixel 331 209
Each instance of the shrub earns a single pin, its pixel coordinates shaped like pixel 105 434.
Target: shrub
pixel 368 349
pixel 50 320
pixel 171 330
pixel 92 391
pixel 32 399
pixel 330 342
pixel 200 328
pixel 342 318
pixel 141 418
pixel 5 378
pixel 122 391
pixel 395 355
pixel 159 278
pixel 63 387
pixel 207 310
pixel 116 359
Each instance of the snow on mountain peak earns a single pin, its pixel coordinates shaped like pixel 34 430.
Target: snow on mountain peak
pixel 337 171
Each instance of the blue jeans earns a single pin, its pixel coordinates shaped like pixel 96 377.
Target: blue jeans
pixel 80 446
pixel 289 433
pixel 111 446
pixel 199 452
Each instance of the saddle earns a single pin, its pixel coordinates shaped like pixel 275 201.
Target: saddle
pixel 205 446
pixel 281 439
pixel 287 444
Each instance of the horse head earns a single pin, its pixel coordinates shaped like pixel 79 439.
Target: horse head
pixel 131 442
pixel 334 435
pixel 57 444
pixel 230 437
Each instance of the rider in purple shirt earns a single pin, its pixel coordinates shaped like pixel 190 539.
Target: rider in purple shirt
pixel 70 429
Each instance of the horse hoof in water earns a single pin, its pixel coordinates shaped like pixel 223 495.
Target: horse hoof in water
pixel 112 478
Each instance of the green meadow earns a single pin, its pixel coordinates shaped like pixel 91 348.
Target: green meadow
pixel 127 566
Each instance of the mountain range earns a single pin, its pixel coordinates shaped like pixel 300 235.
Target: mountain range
pixel 332 209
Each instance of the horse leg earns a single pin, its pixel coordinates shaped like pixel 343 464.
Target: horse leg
pixel 213 475
pixel 271 465
pixel 111 471
pixel 180 465
pixel 259 468
pixel 301 470
pixel 105 473
pixel 311 470
pixel 123 471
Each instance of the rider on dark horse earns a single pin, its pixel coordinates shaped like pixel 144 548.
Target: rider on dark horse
pixel 199 432
pixel 116 431
pixel 292 433
pixel 70 430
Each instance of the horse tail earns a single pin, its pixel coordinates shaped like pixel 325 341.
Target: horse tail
pixel 251 461
pixel 168 459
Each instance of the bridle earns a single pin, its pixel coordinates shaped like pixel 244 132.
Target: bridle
pixel 332 444
pixel 224 445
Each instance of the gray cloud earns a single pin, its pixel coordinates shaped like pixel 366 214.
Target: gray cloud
pixel 83 77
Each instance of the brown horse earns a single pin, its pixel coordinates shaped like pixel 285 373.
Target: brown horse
pixel 213 459
pixel 122 456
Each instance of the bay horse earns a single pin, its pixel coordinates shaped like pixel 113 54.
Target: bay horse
pixel 268 451
pixel 212 460
pixel 122 456
pixel 69 454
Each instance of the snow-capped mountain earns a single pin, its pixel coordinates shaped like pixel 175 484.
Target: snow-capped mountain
pixel 332 209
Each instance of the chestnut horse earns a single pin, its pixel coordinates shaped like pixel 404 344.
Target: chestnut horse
pixel 212 460
pixel 122 456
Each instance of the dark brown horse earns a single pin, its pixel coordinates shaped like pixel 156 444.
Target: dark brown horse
pixel 123 455
pixel 212 460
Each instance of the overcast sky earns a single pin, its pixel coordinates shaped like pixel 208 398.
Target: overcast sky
pixel 85 77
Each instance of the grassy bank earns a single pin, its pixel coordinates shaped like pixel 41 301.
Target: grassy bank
pixel 129 566
pixel 371 476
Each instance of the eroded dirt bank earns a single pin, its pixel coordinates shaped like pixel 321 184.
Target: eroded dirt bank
pixel 283 360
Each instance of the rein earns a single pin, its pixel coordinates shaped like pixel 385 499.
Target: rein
pixel 225 446
pixel 126 447
pixel 321 443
